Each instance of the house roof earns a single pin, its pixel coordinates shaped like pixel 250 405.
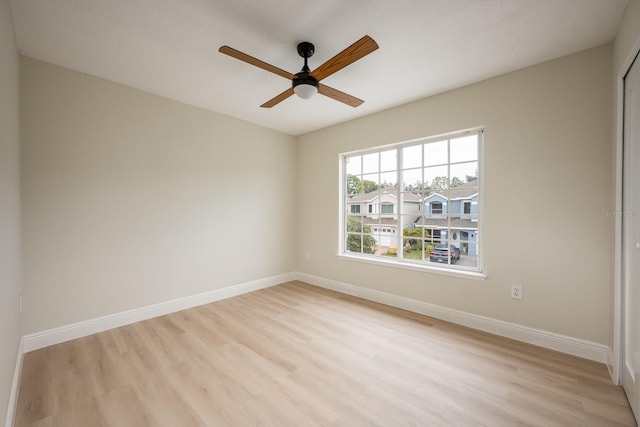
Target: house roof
pixel 463 191
pixel 391 191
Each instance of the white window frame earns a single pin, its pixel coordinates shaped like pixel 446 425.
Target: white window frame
pixel 450 270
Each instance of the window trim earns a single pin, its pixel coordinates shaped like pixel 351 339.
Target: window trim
pixel 478 273
pixel 466 203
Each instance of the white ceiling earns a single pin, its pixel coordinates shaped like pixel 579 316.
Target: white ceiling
pixel 169 47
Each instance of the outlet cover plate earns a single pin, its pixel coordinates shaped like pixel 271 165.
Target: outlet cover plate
pixel 516 291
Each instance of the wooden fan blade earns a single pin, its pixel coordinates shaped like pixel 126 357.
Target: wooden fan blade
pixel 278 98
pixel 339 96
pixel 359 49
pixel 253 61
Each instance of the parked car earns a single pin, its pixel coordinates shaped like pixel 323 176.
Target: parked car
pixel 441 254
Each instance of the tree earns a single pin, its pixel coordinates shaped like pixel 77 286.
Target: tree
pixel 470 178
pixel 356 185
pixel 455 181
pixel 364 242
pixel 353 184
pixel 369 186
pixel 439 183
pixel 417 188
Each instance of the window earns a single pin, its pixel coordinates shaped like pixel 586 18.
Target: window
pixel 425 189
pixel 386 208
pixel 435 236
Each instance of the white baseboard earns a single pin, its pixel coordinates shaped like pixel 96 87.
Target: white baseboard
pixel 611 366
pixel 88 327
pixel 550 340
pixel 566 344
pixel 15 386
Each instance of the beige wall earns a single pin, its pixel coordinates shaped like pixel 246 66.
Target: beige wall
pixel 627 36
pixel 10 274
pixel 130 199
pixel 547 180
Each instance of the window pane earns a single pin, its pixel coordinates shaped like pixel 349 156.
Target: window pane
pixel 412 249
pixel 435 179
pixel 388 160
pixel 370 163
pixel 462 173
pixel 464 149
pixel 435 153
pixel 354 165
pixel 412 180
pixel 370 183
pixel 412 157
pixel 411 204
pixel 388 179
pixel 354 224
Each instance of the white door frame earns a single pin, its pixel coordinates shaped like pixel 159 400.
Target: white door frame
pixel 615 360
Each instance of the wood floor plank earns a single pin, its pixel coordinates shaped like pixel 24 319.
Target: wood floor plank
pixel 299 355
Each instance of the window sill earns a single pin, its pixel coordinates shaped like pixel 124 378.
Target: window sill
pixel 465 274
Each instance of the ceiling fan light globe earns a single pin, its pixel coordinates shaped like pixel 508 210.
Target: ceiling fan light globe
pixel 305 91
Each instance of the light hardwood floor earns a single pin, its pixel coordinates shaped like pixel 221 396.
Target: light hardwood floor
pixel 298 355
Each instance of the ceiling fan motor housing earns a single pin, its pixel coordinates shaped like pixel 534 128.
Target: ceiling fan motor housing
pixel 303 78
pixel 306 49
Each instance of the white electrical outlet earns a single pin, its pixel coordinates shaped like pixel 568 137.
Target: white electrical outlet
pixel 516 291
pixel 307 256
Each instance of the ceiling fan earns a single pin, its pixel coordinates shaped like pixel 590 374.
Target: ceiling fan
pixel 306 83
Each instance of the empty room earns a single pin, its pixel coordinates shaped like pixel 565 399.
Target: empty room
pixel 340 213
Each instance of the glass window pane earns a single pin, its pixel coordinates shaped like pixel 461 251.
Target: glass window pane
pixel 354 185
pixel 411 204
pixel 370 163
pixel 354 224
pixel 463 173
pixel 435 179
pixel 412 248
pixel 412 180
pixel 388 179
pixel 412 157
pixel 354 165
pixel 435 153
pixel 370 183
pixel 464 149
pixel 388 160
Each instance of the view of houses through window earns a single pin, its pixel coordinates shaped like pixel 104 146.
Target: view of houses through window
pixel 415 202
